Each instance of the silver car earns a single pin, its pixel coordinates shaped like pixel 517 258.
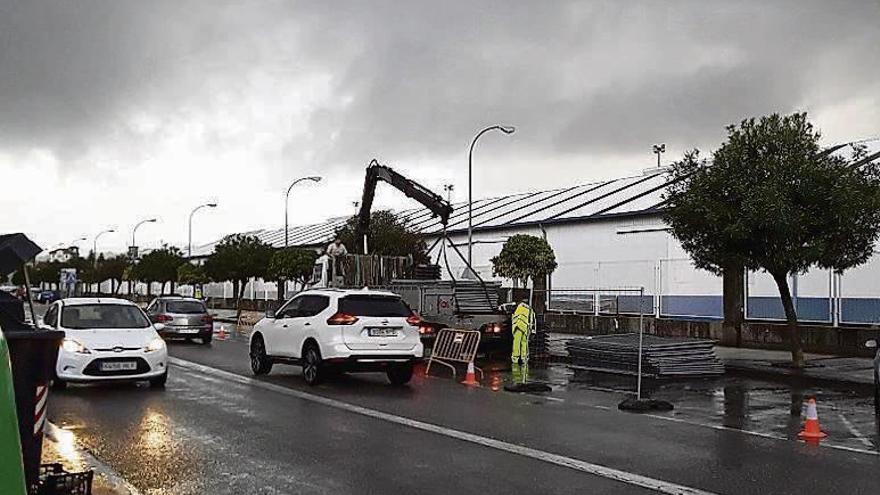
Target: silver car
pixel 183 317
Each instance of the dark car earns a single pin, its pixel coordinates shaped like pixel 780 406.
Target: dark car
pixel 47 296
pixel 183 317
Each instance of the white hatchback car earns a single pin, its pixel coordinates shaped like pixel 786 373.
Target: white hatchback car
pixel 106 339
pixel 331 330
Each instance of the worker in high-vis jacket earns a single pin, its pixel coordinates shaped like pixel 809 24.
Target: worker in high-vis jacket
pixel 523 320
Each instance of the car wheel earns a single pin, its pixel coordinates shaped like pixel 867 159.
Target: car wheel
pixel 159 381
pixel 260 362
pixel 400 374
pixel 312 366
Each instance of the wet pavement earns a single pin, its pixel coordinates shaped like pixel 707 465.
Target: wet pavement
pixel 207 434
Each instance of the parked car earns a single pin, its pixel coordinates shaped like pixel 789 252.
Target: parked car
pixel 333 330
pixel 183 317
pixel 47 296
pixel 872 344
pixel 106 339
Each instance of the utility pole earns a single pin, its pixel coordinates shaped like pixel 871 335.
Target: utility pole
pixel 659 149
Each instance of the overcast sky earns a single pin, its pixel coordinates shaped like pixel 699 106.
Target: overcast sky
pixel 115 111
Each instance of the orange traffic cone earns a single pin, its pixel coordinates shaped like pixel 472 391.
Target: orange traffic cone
pixel 471 377
pixel 221 335
pixel 812 432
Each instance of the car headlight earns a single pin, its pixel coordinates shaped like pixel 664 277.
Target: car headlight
pixel 155 345
pixel 71 345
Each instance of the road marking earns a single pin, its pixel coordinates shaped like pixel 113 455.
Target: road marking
pixel 60 436
pixel 855 432
pixel 548 457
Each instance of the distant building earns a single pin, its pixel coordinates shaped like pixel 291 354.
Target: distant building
pixel 611 234
pixel 63 255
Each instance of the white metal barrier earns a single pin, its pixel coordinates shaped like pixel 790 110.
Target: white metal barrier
pixel 455 346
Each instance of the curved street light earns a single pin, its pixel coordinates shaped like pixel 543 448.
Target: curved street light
pixel 314 178
pixel 95 244
pixel 506 129
pixel 134 230
pixel 189 248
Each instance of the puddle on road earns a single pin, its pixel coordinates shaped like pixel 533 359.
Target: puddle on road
pixel 764 407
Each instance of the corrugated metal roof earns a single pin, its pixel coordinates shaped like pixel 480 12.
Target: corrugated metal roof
pixel 632 195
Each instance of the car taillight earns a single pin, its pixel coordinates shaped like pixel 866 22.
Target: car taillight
pixel 425 330
pixel 342 319
pixel 414 319
pixel 163 318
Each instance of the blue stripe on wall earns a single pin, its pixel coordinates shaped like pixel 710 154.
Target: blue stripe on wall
pixel 859 310
pixel 704 306
pixel 808 308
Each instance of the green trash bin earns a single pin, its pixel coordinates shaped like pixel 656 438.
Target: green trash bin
pixel 11 467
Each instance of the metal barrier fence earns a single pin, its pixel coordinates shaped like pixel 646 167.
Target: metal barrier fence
pixel 456 346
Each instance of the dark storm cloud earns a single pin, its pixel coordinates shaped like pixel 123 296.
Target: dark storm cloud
pixel 418 78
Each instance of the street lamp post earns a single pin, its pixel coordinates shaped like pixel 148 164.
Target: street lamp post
pixel 505 130
pixel 95 244
pixel 134 230
pixel 189 249
pixel 287 196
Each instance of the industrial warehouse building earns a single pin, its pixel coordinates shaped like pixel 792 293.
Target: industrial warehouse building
pixel 608 234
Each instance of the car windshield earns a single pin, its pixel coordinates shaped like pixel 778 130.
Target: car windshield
pixel 185 307
pixel 83 316
pixel 387 306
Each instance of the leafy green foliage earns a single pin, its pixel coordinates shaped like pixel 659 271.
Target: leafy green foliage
pixel 113 268
pixel 159 265
pixel 523 257
pixel 239 257
pixel 294 264
pixel 387 236
pixel 771 200
pixel 190 274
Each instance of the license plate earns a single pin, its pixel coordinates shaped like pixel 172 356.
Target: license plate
pixel 188 330
pixel 382 332
pixel 119 366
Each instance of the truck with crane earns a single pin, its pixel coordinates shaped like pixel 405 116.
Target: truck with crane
pixel 471 303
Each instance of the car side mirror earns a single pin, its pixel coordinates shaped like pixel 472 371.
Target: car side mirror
pixel 159 326
pixel 871 344
pixel 270 313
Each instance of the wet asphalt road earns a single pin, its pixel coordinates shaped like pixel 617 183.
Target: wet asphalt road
pixel 205 434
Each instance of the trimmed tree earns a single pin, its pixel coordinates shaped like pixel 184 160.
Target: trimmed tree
pixel 239 257
pixel 159 265
pixel 190 274
pixel 295 264
pixel 523 257
pixel 388 235
pixel 770 199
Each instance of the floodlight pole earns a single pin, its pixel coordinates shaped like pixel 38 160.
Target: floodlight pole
pixel 641 336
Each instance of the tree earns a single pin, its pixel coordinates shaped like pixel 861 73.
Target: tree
pixel 523 257
pixel 159 265
pixel 239 257
pixel 388 235
pixel 113 269
pixel 190 274
pixel 772 200
pixel 294 264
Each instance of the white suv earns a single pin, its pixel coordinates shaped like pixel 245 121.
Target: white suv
pixel 331 330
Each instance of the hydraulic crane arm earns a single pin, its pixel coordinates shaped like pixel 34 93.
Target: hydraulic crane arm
pixel 375 173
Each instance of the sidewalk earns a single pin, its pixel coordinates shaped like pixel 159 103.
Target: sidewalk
pixel 821 367
pixel 852 371
pixel 59 446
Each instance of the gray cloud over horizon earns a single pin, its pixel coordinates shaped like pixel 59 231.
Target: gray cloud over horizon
pixel 112 88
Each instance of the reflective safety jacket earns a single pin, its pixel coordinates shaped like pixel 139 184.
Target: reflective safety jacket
pixel 522 317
